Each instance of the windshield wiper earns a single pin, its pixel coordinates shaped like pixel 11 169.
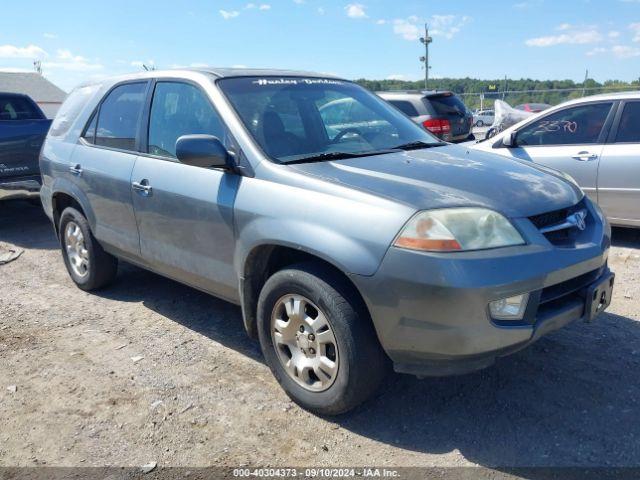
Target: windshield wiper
pixel 418 145
pixel 328 156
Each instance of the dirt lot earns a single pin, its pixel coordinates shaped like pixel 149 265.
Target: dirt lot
pixel 201 395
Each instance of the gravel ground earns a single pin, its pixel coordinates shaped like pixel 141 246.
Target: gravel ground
pixel 152 371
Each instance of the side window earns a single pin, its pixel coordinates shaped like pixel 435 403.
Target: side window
pixel 90 132
pixel 180 109
pixel 405 107
pixel 571 126
pixel 629 127
pixel 119 116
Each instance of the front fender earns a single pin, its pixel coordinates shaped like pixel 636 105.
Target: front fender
pixel 343 252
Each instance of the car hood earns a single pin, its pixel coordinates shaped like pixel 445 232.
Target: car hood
pixel 451 176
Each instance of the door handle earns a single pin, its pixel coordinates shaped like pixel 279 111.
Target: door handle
pixel 142 186
pixel 585 156
pixel 76 169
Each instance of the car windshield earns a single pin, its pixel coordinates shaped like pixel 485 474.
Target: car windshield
pixel 297 119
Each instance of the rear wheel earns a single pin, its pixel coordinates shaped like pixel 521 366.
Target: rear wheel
pixel 317 340
pixel 479 123
pixel 89 266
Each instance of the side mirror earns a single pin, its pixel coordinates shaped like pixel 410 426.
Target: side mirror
pixel 202 151
pixel 509 140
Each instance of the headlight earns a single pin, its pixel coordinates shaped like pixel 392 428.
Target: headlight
pixel 457 229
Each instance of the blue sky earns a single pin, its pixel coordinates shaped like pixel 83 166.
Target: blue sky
pixel 542 39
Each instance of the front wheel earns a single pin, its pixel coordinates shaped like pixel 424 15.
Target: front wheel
pixel 89 266
pixel 479 123
pixel 318 341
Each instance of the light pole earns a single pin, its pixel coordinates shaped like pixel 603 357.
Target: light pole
pixel 426 40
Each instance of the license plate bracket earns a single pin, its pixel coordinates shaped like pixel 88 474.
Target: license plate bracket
pixel 598 297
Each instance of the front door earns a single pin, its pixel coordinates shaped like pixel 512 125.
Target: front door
pixel 570 140
pixel 619 172
pixel 185 213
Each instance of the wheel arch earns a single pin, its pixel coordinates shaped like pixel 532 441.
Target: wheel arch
pixel 264 260
pixel 64 196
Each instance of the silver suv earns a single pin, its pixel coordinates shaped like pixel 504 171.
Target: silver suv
pixel 352 238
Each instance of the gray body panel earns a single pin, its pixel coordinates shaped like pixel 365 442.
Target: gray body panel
pixel 199 226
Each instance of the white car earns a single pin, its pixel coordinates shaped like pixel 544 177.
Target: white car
pixel 483 117
pixel 596 140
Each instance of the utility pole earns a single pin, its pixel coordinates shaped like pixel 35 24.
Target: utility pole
pixel 584 84
pixel 426 40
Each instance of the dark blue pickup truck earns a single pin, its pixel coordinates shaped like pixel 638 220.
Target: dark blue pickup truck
pixel 23 128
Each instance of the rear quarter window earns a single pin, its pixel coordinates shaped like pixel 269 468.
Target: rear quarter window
pixel 405 107
pixel 70 109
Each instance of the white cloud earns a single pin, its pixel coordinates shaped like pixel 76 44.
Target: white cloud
pixel 412 28
pixel 573 35
pixel 226 14
pixel 635 28
pixel 250 6
pixel 65 60
pixel 625 51
pixel 264 6
pixel 406 29
pixel 596 51
pixel 619 51
pixel 30 51
pixel 321 11
pixel 49 35
pixel 238 66
pixel 355 10
pixel 149 63
pixel 446 25
pixel 382 21
pixel 613 34
pixel 299 2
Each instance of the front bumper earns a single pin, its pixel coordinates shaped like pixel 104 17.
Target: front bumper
pixel 430 310
pixel 20 187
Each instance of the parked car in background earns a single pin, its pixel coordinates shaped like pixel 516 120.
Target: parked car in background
pixel 533 107
pixel 594 139
pixel 442 113
pixel 350 246
pixel 23 128
pixel 483 117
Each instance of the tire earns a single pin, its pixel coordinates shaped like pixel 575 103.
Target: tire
pixel 361 363
pixel 479 123
pixel 101 267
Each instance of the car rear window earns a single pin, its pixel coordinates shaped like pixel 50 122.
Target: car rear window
pixel 14 107
pixel 446 104
pixel 405 107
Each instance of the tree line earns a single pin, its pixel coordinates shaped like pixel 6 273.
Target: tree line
pixel 527 90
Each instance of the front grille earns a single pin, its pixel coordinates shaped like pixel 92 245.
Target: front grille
pixel 565 237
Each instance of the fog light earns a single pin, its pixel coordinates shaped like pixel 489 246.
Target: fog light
pixel 511 308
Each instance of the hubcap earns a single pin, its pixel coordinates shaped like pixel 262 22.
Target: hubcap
pixel 77 252
pixel 304 342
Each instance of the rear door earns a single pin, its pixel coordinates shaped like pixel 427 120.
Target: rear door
pixel 102 163
pixel 22 131
pixel 619 169
pixel 450 107
pixel 570 140
pixel 185 213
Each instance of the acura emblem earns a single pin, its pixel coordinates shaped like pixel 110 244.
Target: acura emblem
pixel 578 219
